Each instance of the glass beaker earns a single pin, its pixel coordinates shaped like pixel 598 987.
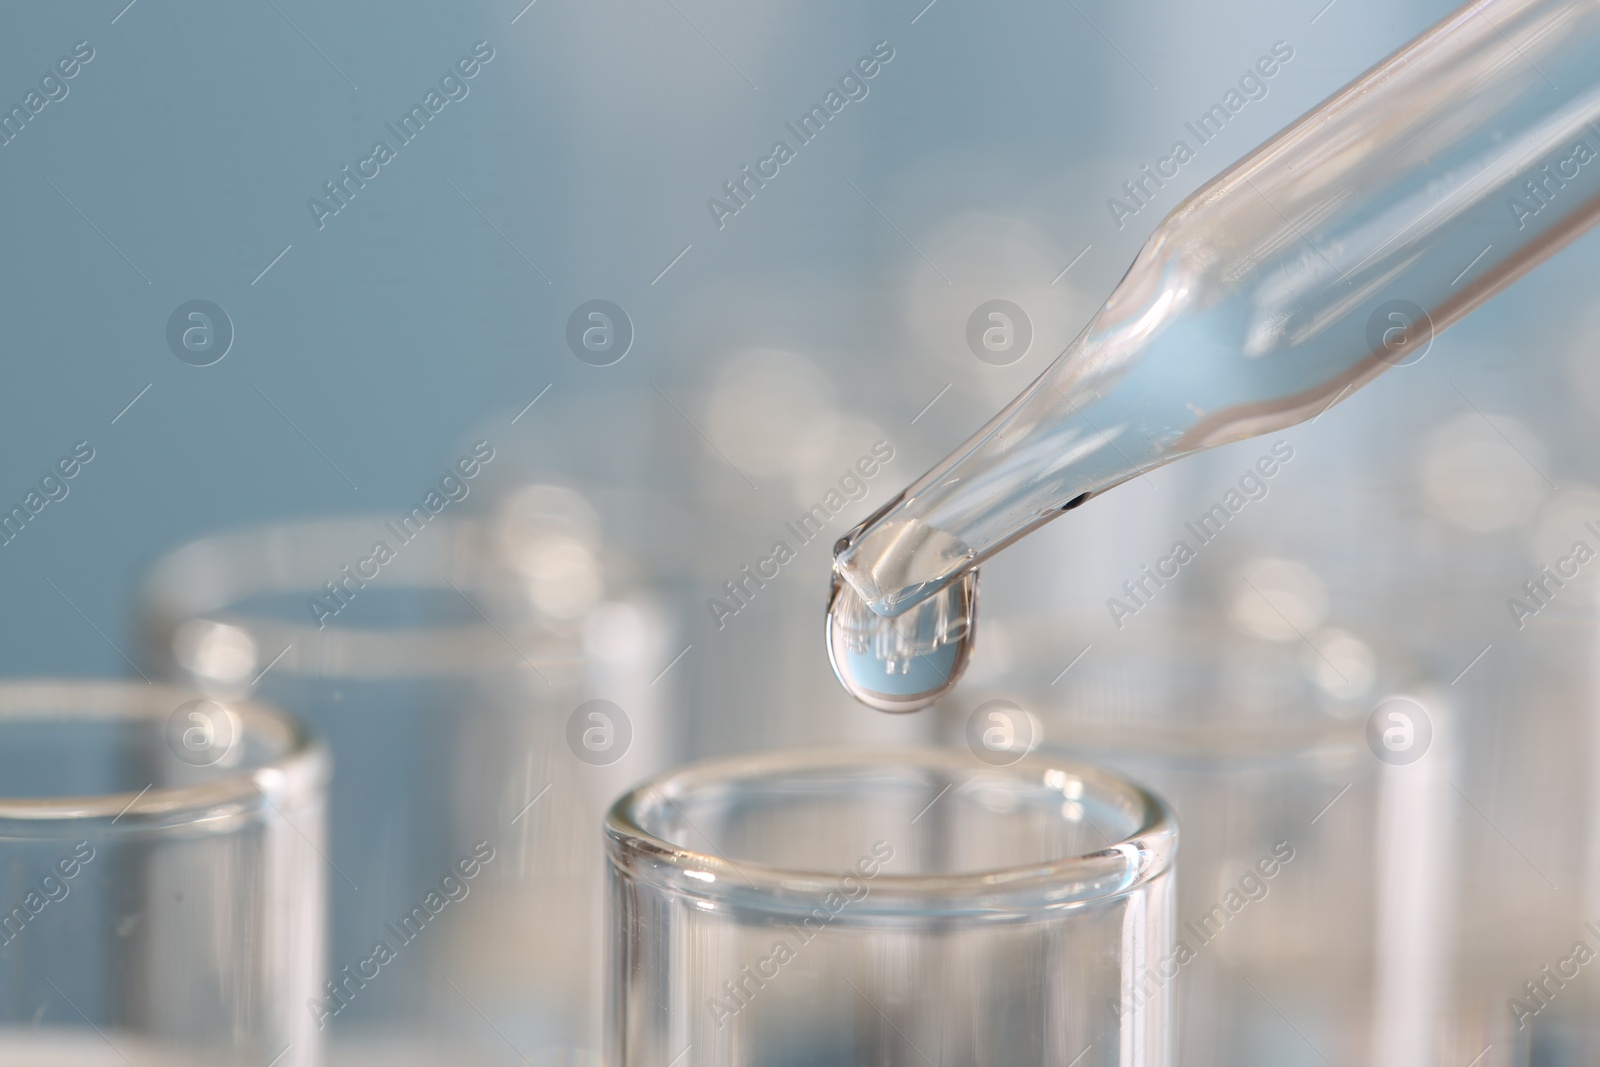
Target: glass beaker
pixel 888 907
pixel 465 916
pixel 161 875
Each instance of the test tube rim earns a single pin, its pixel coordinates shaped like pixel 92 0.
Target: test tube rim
pixel 299 767
pixel 1028 891
pixel 175 591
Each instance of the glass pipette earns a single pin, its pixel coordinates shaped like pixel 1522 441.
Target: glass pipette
pixel 1334 251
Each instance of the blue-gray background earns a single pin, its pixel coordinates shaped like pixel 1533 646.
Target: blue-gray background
pixel 769 354
pixel 432 309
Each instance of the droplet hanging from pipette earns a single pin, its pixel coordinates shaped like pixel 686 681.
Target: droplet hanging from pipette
pixel 904 662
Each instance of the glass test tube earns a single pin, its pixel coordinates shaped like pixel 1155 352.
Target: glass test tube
pixel 888 907
pixel 160 878
pixel 1313 916
pixel 458 814
pixel 1528 786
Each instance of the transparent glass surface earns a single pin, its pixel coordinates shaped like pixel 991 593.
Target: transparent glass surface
pixel 1334 251
pixel 1314 916
pixel 464 896
pixel 1529 809
pixel 161 878
pixel 888 907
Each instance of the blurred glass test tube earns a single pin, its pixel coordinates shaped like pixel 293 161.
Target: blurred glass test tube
pixel 160 878
pixel 1315 872
pixel 452 687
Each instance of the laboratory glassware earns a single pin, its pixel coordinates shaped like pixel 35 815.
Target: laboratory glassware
pixel 889 906
pixel 1529 805
pixel 1333 252
pixel 161 875
pixel 447 679
pixel 1304 854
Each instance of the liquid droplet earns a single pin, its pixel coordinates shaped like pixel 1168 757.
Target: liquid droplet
pixel 908 661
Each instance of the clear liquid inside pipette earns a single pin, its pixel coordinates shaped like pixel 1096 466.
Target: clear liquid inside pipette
pixel 1331 253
